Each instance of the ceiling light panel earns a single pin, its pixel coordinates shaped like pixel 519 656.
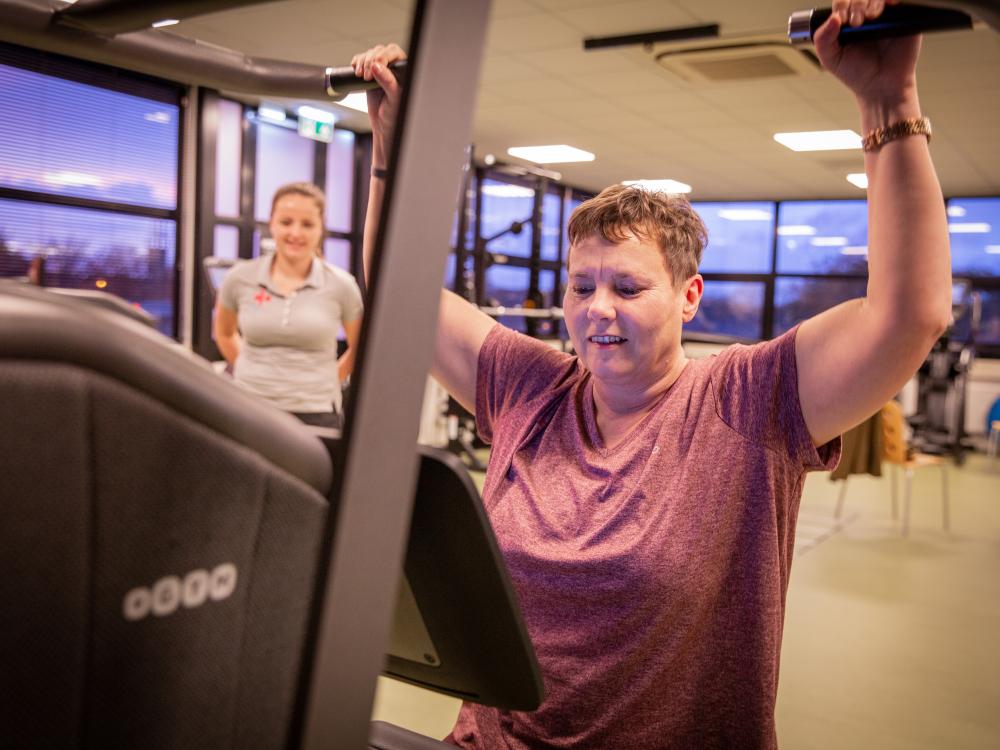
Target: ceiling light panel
pixel 558 154
pixel 819 140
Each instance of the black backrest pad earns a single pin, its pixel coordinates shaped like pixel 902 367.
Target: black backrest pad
pixel 156 577
pixel 156 569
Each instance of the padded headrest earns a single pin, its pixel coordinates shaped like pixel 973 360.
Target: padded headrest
pixel 39 325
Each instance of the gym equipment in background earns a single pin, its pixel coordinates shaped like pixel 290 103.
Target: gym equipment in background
pixel 938 422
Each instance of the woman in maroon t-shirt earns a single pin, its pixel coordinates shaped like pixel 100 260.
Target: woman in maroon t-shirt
pixel 646 503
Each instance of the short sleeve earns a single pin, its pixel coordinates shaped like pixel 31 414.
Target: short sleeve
pixel 229 291
pixel 515 370
pixel 757 394
pixel 351 302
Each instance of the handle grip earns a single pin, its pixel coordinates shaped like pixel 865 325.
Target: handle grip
pixel 896 20
pixel 342 81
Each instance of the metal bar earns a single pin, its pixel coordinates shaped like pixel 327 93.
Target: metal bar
pixel 680 34
pixel 187 204
pixel 161 53
pixel 372 505
pixel 111 17
pixel 204 299
pixel 34 196
pixel 249 128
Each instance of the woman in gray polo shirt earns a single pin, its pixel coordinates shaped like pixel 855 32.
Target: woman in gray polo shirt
pixel 278 316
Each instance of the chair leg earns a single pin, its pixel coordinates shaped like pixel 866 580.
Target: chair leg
pixel 907 485
pixel 895 506
pixel 840 499
pixel 945 501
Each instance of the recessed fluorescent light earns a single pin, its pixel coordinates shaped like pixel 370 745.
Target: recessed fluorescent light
pixel 969 228
pixel 508 191
pixel 271 112
pixel 828 241
pixel 819 140
pixel 319 115
pixel 744 214
pixel 993 249
pixel 854 250
pixel 550 154
pixel 660 186
pixel 357 101
pixel 956 211
pixel 165 22
pixel 160 117
pixel 796 230
pixel 858 178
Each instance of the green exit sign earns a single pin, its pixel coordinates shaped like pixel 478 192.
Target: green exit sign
pixel 318 131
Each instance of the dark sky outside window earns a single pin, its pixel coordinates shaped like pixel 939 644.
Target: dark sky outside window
pixel 740 237
pixel 550 226
pixel 796 299
pixel 571 204
pixel 131 256
pixel 68 138
pixel 974 230
pixel 816 237
pixel 730 308
pixel 507 286
pixel 503 204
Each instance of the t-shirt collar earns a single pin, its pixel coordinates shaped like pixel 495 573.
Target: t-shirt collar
pixel 314 279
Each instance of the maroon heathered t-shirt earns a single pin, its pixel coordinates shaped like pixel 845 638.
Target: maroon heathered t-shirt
pixel 652 576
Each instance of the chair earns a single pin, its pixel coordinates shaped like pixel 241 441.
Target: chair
pixel 898 453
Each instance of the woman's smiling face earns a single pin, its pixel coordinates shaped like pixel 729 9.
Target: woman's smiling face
pixel 623 311
pixel 296 226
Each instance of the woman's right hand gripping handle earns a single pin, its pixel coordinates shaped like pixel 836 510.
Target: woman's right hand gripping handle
pixel 462 327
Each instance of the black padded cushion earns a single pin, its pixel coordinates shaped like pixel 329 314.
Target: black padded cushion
pixel 107 490
pixel 35 324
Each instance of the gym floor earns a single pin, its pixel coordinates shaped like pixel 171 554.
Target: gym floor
pixel 890 642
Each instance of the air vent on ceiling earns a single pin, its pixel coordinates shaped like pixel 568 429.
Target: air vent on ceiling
pixel 740 62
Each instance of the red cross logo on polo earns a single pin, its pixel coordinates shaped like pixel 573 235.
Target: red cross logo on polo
pixel 261 297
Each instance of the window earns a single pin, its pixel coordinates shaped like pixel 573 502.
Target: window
pixel 131 256
pixel 506 217
pixel 227 242
pixel 508 286
pixel 283 156
pixel 740 237
pixel 71 139
pixel 974 230
pixel 796 299
pixel 551 225
pixel 88 178
pixel 340 181
pixel 337 252
pixel 816 237
pixel 228 155
pixel 730 308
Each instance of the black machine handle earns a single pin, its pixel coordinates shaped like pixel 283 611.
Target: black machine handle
pixel 342 81
pixel 896 20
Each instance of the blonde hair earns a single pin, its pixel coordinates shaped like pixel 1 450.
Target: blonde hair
pixel 308 190
pixel 668 220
